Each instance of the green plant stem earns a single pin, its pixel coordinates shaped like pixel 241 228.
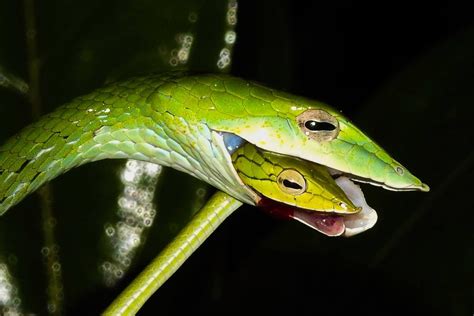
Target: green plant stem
pixel 213 213
pixel 50 250
pixel 33 57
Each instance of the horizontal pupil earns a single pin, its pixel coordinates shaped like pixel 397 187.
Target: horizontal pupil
pixel 319 126
pixel 291 184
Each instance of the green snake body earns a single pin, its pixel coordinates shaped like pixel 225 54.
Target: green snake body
pixel 136 119
pixel 177 121
pixel 184 122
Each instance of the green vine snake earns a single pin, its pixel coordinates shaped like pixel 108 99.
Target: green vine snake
pixel 290 155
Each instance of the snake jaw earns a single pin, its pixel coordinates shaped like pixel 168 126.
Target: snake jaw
pixel 423 187
pixel 329 224
pixel 366 218
pixel 345 225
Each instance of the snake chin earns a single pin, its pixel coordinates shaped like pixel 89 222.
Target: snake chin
pixel 366 218
pixel 329 224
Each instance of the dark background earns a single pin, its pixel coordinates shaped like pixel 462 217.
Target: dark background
pixel 404 74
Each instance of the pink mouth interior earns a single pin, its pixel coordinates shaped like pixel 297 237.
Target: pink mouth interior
pixel 328 224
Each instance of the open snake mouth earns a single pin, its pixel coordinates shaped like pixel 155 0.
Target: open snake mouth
pixel 330 224
pixel 336 173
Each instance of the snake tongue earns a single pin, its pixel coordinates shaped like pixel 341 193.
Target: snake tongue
pixel 328 224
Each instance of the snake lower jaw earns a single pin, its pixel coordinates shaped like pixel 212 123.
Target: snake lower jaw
pixel 329 224
pixel 366 218
pixel 341 225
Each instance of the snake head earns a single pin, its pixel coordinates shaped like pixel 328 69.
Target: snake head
pixel 304 128
pixel 292 188
pixel 342 146
pixel 354 154
pixel 291 181
pixel 291 126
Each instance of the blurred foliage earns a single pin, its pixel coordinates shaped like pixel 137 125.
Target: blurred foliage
pixel 408 84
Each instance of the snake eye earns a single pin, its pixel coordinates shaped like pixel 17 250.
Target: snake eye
pixel 318 125
pixel 292 182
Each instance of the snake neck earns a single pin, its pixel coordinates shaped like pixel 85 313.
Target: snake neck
pixel 130 120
